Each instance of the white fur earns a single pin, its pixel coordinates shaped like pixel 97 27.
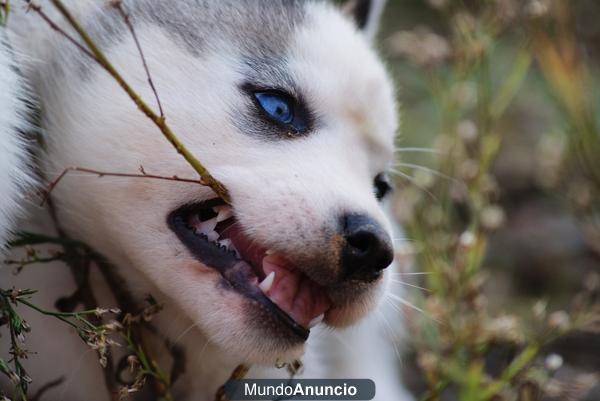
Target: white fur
pixel 14 173
pixel 279 189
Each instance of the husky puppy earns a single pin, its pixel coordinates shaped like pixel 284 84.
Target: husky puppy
pixel 288 105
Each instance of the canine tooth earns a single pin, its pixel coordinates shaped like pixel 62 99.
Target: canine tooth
pixel 226 242
pixel 267 283
pixel 224 212
pixel 212 236
pixel 207 226
pixel 316 321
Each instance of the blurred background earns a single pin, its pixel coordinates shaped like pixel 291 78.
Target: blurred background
pixel 498 181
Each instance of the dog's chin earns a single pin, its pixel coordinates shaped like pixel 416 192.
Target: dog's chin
pixel 245 329
pixel 267 306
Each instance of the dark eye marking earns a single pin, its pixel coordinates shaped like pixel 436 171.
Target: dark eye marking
pixel 382 185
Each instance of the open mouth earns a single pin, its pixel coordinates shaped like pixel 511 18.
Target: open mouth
pixel 213 235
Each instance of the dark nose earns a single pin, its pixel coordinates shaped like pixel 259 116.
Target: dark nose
pixel 367 248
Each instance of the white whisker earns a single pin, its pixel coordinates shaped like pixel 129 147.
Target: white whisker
pixel 428 170
pixel 388 326
pixel 183 333
pixel 404 240
pixel 409 305
pixel 409 285
pixel 412 180
pixel 410 273
pixel 417 150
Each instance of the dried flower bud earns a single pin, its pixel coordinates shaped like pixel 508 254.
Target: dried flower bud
pixel 438 4
pixel 492 217
pixel 133 362
pixel 553 362
pixel 559 321
pixel 113 326
pixel 468 169
pixel 421 46
pixel 467 131
pixel 427 361
pixel 467 239
pixel 14 378
pixel 538 8
pixel 539 309
pixel 101 311
pixel 506 328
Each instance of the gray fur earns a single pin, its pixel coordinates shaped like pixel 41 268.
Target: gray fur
pixel 259 31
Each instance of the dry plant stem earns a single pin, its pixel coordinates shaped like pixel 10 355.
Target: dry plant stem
pixel 46 193
pixel 45 388
pixel 237 374
pixel 4 8
pixel 118 4
pixel 205 177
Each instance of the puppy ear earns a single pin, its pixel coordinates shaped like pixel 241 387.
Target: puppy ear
pixel 366 14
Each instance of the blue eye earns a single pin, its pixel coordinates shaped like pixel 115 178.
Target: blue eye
pixel 277 106
pixel 284 110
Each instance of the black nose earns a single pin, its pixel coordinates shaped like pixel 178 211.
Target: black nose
pixel 367 248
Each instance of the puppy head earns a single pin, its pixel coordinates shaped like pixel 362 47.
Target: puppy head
pixel 290 108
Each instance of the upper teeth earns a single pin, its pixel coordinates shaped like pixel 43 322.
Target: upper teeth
pixel 226 242
pixel 316 321
pixel 267 283
pixel 207 226
pixel 224 212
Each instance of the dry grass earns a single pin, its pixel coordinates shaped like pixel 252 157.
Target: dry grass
pixel 474 76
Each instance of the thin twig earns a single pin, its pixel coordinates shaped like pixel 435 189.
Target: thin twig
pixel 118 4
pixel 47 387
pixel 46 192
pixel 238 373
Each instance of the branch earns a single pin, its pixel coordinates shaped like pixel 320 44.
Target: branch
pixel 4 8
pixel 118 4
pixel 205 177
pixel 46 192
pixel 237 374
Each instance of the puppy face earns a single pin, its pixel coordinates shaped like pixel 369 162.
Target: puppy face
pixel 301 140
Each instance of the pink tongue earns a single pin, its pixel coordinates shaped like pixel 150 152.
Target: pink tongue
pixel 295 293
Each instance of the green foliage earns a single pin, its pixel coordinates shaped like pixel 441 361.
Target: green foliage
pixel 90 326
pixel 469 79
pixel 4 8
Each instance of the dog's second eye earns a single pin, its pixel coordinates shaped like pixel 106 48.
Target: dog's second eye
pixel 382 185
